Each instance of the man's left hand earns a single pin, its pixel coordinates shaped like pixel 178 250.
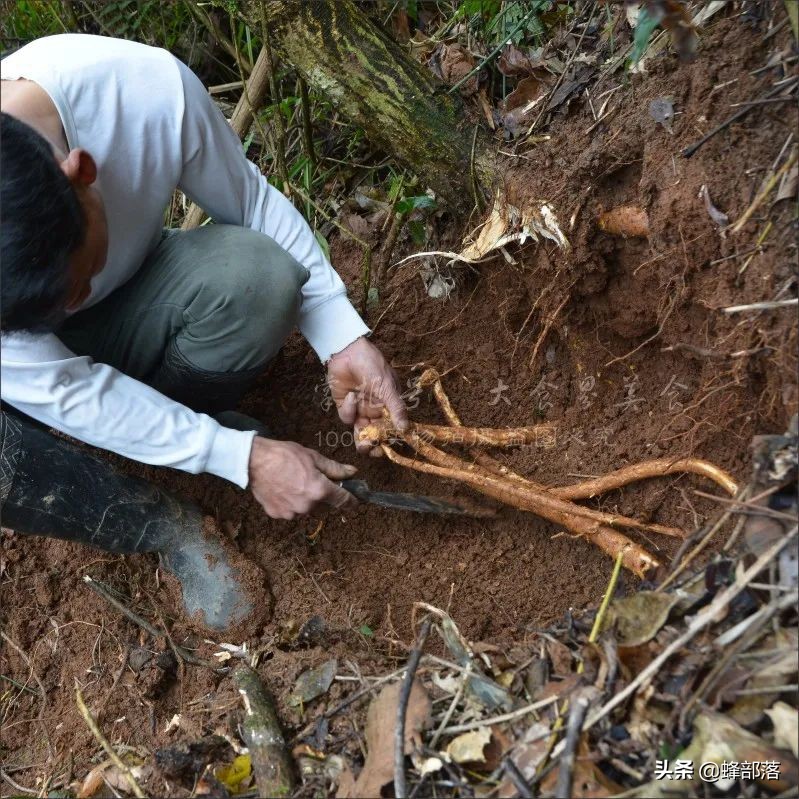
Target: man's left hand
pixel 362 385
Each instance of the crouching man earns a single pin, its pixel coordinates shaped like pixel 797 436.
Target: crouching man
pixel 142 341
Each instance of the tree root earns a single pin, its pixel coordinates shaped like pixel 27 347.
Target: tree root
pixel 634 557
pixel 492 478
pixel 468 436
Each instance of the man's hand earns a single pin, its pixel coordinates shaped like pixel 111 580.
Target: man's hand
pixel 290 480
pixel 362 384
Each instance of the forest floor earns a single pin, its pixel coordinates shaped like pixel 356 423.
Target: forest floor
pixel 622 342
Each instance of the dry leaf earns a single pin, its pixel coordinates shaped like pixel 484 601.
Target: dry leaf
pixel 452 62
pixel 626 220
pixel 786 726
pixel 527 755
pixel 516 63
pixel 468 748
pixel 93 781
pixel 313 683
pixel 638 618
pixel 381 721
pixel 520 102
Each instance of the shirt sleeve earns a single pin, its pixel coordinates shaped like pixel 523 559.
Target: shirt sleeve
pixel 228 187
pixel 95 403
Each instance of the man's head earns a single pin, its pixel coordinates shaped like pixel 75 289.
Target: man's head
pixel 53 233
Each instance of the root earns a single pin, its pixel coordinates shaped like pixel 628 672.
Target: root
pixel 492 478
pixel 610 541
pixel 643 471
pixel 468 436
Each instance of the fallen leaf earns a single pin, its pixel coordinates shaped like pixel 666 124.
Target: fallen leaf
pixel 232 775
pixel 560 656
pixel 515 62
pixel 452 62
pixel 626 220
pixel 93 781
pixel 526 754
pixel 381 721
pixel 313 683
pixel 116 778
pixel 786 726
pixel 468 748
pixel 520 102
pixel 637 619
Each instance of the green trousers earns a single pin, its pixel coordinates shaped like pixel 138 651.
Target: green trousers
pixel 201 318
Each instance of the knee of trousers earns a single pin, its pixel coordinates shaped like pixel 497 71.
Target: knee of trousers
pixel 246 303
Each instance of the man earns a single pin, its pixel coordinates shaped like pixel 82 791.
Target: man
pixel 133 339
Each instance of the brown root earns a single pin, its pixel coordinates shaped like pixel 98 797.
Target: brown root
pixel 626 220
pixel 635 558
pixel 467 436
pixel 643 471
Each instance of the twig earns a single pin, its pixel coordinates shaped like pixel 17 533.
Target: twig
pixel 706 539
pixel 517 778
pixel 17 787
pixel 274 89
pixel 42 692
pixel 761 306
pixel 103 741
pixel 580 701
pixel 103 591
pixel 519 25
pixel 512 716
pixel 400 782
pixel 271 762
pixel 27 661
pixel 757 202
pixel 547 325
pixel 689 151
pixel 451 709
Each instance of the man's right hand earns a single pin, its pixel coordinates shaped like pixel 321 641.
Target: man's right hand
pixel 290 480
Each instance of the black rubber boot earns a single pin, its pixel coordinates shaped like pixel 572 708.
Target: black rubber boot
pixel 50 487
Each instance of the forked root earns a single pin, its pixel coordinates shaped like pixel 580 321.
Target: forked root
pixel 634 557
pixel 494 479
pixel 600 485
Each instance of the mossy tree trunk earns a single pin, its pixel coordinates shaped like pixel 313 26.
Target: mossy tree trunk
pixel 377 86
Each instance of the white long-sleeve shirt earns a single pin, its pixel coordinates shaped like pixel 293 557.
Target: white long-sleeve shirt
pixel 151 127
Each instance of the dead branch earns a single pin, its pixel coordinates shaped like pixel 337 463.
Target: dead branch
pixel 271 762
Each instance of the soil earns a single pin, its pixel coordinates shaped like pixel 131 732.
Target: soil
pixel 623 369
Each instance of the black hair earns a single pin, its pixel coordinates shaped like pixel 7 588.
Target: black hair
pixel 41 226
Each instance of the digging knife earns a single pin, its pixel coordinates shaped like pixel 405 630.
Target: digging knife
pixel 412 502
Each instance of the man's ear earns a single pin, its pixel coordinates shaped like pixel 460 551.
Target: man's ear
pixel 79 167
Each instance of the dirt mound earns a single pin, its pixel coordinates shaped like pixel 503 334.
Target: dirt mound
pixel 633 358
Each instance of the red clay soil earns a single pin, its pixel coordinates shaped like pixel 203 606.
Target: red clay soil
pixel 637 364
